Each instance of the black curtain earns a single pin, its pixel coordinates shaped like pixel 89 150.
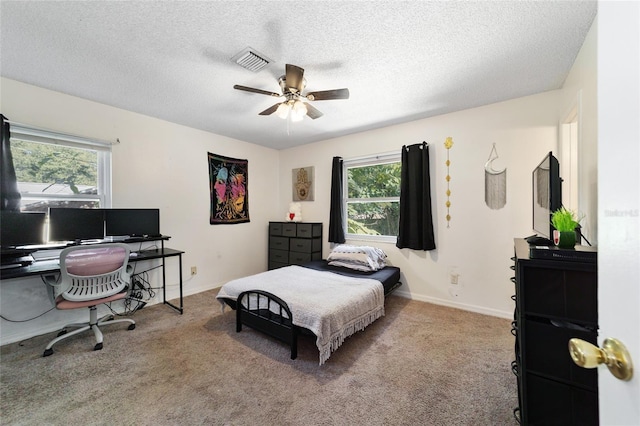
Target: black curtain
pixel 416 222
pixel 336 231
pixel 9 195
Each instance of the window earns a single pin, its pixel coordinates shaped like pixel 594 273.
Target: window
pixel 57 170
pixel 372 203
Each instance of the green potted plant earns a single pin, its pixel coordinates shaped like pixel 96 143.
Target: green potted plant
pixel 565 222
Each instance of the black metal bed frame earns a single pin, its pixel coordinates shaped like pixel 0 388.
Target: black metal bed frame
pixel 270 319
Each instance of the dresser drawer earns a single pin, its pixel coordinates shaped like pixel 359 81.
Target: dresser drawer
pixel 554 403
pixel 279 243
pixel 560 293
pixel 296 258
pixel 542 335
pixel 289 229
pixel 309 230
pixel 300 245
pixel 305 245
pixel 281 256
pixel 275 228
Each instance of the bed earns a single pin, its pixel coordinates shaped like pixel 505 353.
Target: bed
pixel 328 301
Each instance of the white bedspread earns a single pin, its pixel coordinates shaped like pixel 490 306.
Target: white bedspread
pixel 332 306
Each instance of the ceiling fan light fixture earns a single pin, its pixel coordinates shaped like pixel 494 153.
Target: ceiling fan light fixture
pixel 283 110
pixel 294 107
pixel 296 116
pixel 299 108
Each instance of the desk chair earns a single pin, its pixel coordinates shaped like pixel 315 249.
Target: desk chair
pixel 90 276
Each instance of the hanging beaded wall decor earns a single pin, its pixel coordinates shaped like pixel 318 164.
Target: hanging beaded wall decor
pixel 448 143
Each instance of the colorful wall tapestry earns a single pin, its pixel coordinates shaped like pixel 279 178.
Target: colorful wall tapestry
pixel 228 186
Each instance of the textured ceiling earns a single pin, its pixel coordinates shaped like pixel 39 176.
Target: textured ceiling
pixel 401 61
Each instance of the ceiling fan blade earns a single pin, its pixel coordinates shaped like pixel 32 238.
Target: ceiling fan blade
pixel 325 95
pixel 270 110
pixel 294 77
pixel 312 112
pixel 252 90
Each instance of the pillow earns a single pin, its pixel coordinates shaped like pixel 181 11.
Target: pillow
pixel 359 258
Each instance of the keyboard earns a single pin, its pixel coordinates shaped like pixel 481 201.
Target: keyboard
pixel 46 254
pixel 15 262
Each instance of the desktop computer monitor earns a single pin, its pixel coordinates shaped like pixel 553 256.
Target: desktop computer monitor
pixel 132 222
pixel 21 229
pixel 69 224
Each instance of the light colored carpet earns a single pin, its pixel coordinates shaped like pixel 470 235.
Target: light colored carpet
pixel 420 364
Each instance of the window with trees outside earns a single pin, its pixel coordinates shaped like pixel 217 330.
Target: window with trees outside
pixel 57 170
pixel 372 197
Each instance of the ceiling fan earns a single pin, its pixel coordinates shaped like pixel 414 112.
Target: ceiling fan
pixel 292 84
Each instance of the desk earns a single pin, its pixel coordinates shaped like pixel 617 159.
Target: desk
pixel 163 253
pixel 43 267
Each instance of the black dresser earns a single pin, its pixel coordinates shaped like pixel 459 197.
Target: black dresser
pixel 294 243
pixel 556 300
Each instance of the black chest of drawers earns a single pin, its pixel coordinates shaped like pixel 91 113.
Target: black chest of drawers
pixel 294 243
pixel 556 300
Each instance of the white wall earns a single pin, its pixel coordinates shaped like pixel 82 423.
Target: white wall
pixel 161 164
pixel 157 165
pixel 580 90
pixel 479 241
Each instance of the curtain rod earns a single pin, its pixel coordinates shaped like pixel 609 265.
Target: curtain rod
pixel 422 145
pixel 374 156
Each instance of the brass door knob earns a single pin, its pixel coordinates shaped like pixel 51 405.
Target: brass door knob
pixel 613 354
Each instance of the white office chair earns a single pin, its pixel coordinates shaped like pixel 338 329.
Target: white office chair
pixel 90 276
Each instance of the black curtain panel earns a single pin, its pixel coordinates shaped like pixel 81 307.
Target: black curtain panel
pixel 416 222
pixel 336 231
pixel 10 197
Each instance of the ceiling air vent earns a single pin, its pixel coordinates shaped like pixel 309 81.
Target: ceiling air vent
pixel 251 59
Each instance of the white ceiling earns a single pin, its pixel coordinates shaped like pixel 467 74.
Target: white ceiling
pixel 401 61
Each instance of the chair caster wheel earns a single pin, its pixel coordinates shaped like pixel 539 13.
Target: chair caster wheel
pixel 62 333
pixel 97 347
pixel 131 327
pixel 47 352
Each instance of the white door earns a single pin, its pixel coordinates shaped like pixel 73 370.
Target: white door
pixel 619 202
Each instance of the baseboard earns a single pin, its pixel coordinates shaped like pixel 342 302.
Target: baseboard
pixel 436 301
pixel 199 289
pixel 188 291
pixel 452 304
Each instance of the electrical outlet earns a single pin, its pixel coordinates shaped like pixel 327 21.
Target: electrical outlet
pixel 454 275
pixel 194 270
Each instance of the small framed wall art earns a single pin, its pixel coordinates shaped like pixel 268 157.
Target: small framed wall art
pixel 302 184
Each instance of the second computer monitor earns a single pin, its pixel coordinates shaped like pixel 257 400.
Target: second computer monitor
pixel 132 222
pixel 69 224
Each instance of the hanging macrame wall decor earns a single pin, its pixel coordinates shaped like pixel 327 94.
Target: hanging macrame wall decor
pixel 495 183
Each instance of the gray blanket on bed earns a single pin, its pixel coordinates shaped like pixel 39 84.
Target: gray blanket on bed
pixel 332 306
